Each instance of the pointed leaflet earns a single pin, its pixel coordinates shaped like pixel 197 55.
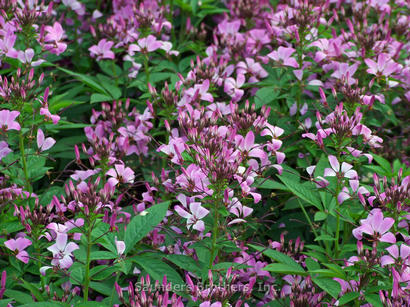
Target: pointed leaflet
pixel 141 225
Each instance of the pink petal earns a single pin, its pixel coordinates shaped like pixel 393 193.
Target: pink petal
pixel 388 237
pixel 385 260
pixel 182 212
pixel 334 163
pixel 249 140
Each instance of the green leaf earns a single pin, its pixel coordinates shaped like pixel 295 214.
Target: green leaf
pixel 265 96
pixel 383 163
pixel 324 238
pixel 312 264
pixel 320 216
pixel 186 263
pixel 43 304
pixel 373 299
pixel 306 191
pixel 281 258
pixel 100 98
pixel 329 285
pixel 101 287
pixel 269 184
pixel 348 297
pixel 19 297
pixel 86 80
pixel 282 268
pixel 143 223
pixel 157 269
pixel 33 290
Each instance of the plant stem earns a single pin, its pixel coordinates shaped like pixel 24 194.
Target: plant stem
pixel 214 236
pixel 337 222
pixel 146 67
pixel 24 162
pixel 308 219
pixel 87 265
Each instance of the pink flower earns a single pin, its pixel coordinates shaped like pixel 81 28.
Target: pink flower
pixel 4 149
pixel 62 252
pixel 102 50
pixel 7 120
pixel 54 36
pixel 247 146
pixel 283 55
pixel 18 246
pixel 144 45
pixel 120 174
pixel 232 87
pixel 194 180
pixel 42 142
pixel 385 66
pixel 345 194
pixel 376 226
pixel 209 304
pixel 396 255
pixel 194 218
pixel 345 72
pixel 344 171
pixel 46 112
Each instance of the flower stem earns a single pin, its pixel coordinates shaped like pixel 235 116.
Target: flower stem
pixel 87 265
pixel 24 162
pixel 146 67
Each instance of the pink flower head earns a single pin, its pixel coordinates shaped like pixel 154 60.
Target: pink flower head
pixel 396 255
pixel 102 50
pixel 232 87
pixel 336 170
pixel 18 246
pixel 54 36
pixel 385 66
pixel 62 252
pixel 376 226
pixel 7 120
pixel 44 143
pixel 194 218
pixel 145 45
pixel 345 72
pixel 283 55
pixel 194 180
pixel 247 146
pixel 120 174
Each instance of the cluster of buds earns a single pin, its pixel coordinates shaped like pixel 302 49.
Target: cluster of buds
pixel 20 88
pixel 37 217
pixel 396 194
pixel 301 292
pixel 118 133
pixel 11 193
pixel 33 13
pixel 145 294
pixel 247 118
pixel 87 198
pixel 68 293
pixel 304 14
pixel 223 291
pixel 293 250
pixel 246 9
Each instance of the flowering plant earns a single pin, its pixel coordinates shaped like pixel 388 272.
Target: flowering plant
pixel 204 153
